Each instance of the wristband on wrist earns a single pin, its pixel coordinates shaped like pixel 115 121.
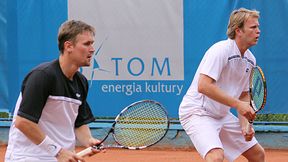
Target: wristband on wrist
pixel 51 147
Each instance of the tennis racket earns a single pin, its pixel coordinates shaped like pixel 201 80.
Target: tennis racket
pixel 257 91
pixel 140 125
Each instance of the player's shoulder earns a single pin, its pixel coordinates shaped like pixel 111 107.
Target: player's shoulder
pixel 45 69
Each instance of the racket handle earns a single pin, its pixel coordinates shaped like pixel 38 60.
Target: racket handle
pixel 85 152
pixel 248 131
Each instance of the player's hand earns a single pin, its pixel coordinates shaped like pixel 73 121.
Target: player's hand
pixel 93 142
pixel 246 110
pixel 248 134
pixel 68 156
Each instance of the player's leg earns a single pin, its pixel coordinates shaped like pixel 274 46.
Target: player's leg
pixel 215 155
pixel 204 134
pixel 255 154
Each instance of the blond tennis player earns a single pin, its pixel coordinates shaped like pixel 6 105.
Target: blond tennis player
pixel 221 83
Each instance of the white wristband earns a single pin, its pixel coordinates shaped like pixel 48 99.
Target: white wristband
pixel 50 146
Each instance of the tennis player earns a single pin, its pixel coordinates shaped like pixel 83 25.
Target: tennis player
pixel 52 111
pixel 221 83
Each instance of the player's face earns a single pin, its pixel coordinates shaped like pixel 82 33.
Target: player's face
pixel 83 49
pixel 251 31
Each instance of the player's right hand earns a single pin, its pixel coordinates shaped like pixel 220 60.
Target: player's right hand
pixel 246 110
pixel 68 156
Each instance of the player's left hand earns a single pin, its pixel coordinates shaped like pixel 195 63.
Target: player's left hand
pixel 248 135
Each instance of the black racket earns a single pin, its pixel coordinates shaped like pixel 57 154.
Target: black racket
pixel 140 125
pixel 257 91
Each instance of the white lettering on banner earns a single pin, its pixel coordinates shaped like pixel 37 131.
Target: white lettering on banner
pixel 130 89
pixel 134 39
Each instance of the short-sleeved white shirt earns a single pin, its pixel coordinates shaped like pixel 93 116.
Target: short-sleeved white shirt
pixel 224 63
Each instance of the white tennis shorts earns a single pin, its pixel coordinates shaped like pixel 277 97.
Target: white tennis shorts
pixel 207 133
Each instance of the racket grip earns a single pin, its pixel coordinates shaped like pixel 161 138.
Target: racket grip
pixel 85 152
pixel 250 125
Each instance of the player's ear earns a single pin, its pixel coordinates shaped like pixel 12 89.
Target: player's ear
pixel 68 46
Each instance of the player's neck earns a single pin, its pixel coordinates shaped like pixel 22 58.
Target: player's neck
pixel 67 67
pixel 241 46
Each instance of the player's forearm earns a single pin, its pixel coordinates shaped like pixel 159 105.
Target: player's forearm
pixel 83 135
pixel 29 129
pixel 207 86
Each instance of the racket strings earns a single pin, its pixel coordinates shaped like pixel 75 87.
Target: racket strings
pixel 258 89
pixel 143 124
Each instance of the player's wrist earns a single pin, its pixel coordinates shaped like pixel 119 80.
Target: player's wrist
pixel 50 146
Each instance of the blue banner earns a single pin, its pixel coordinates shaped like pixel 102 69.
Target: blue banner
pixel 145 49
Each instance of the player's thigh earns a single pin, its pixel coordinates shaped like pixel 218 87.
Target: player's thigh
pixel 203 132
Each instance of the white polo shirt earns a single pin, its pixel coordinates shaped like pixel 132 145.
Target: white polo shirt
pixel 223 63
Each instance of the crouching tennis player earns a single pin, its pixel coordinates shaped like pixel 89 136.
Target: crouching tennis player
pixel 221 83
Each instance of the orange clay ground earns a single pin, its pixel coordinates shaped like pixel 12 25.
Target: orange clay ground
pixel 152 155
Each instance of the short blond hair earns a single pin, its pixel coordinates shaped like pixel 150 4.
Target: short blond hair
pixel 69 30
pixel 238 18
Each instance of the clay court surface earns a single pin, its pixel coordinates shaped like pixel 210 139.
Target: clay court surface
pixel 119 155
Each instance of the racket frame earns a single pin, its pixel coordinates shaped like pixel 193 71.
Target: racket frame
pixel 100 146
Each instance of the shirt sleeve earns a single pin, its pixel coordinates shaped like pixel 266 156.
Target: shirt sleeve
pixel 35 91
pixel 214 62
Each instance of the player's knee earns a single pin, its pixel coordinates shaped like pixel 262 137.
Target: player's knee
pixel 215 155
pixel 261 154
